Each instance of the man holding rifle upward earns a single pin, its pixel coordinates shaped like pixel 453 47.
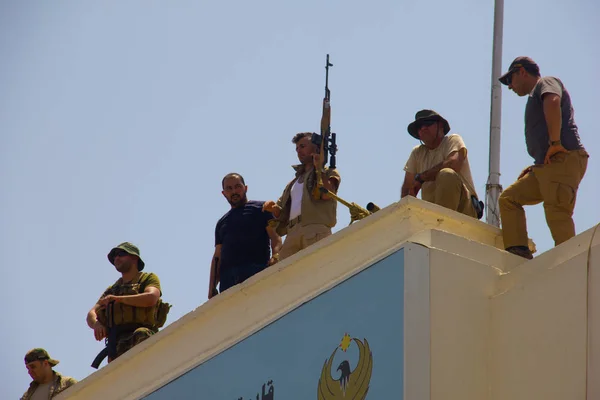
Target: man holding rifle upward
pixel 307 208
pixel 305 215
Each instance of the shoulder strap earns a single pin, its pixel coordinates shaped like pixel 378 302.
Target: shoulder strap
pixel 118 283
pixel 143 280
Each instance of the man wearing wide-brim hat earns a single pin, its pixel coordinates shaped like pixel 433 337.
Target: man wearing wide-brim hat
pixel 439 166
pixel 560 160
pixel 128 311
pixel 46 383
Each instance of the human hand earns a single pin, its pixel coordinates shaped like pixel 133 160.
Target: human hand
pixel 99 331
pixel 272 207
pixel 415 187
pixel 273 260
pixel 108 299
pixel 317 161
pixel 553 150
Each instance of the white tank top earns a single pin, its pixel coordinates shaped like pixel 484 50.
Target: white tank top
pixel 297 191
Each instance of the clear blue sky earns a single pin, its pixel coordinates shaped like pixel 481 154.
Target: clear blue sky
pixel 119 119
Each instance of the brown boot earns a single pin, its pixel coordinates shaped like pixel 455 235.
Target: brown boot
pixel 522 251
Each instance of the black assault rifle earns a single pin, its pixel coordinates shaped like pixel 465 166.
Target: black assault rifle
pixel 326 143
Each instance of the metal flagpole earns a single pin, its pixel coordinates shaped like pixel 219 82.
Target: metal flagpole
pixel 493 187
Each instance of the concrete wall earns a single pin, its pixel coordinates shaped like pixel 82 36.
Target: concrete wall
pixel 476 323
pixel 539 326
pixel 593 288
pixel 460 326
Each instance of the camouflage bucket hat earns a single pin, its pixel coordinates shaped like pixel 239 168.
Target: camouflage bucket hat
pixel 129 248
pixel 39 354
pixel 426 115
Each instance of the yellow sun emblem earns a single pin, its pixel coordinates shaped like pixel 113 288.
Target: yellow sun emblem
pixel 346 341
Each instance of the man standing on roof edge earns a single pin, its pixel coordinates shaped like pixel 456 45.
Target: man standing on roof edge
pixel 242 238
pixel 440 166
pixel 303 218
pixel 552 140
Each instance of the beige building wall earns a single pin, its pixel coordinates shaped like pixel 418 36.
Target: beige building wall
pixel 460 326
pixel 479 323
pixel 540 326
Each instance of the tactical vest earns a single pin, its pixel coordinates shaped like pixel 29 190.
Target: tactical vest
pixel 122 314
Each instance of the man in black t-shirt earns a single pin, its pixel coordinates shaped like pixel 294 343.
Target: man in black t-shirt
pixel 560 159
pixel 245 244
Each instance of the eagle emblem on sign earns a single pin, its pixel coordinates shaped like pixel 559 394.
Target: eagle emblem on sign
pixel 353 383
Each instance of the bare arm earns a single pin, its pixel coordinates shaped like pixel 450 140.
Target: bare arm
pixel 92 321
pixel 410 187
pixel 332 183
pixel 215 276
pixel 92 316
pixel 553 115
pixel 455 160
pixel 147 299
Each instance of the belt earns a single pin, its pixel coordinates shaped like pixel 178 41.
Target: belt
pixel 294 221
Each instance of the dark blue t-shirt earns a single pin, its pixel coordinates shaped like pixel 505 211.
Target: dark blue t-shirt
pixel 243 236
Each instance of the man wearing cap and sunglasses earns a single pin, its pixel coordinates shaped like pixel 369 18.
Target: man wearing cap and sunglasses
pixel 46 383
pixel 129 311
pixel 560 159
pixel 440 166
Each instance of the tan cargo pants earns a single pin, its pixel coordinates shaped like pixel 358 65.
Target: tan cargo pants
pixel 450 192
pixel 300 237
pixel 555 185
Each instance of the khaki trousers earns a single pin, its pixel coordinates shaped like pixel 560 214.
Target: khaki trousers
pixel 555 185
pixel 300 237
pixel 450 192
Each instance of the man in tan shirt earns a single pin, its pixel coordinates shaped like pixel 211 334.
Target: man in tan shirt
pixel 303 218
pixel 440 166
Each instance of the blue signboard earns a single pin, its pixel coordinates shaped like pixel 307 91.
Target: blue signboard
pixel 346 343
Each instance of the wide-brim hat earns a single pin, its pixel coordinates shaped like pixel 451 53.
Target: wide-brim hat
pixel 39 354
pixel 426 115
pixel 129 248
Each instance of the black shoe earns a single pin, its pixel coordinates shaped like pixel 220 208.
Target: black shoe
pixel 522 251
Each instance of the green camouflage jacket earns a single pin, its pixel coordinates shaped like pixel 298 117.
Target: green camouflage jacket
pixel 59 384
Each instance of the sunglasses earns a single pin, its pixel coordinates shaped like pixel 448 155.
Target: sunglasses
pixel 427 123
pixel 120 253
pixel 512 71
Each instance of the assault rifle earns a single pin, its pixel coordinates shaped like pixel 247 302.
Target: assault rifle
pixel 110 349
pixel 326 142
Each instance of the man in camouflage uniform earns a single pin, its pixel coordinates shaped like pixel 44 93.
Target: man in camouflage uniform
pixel 126 313
pixel 46 382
